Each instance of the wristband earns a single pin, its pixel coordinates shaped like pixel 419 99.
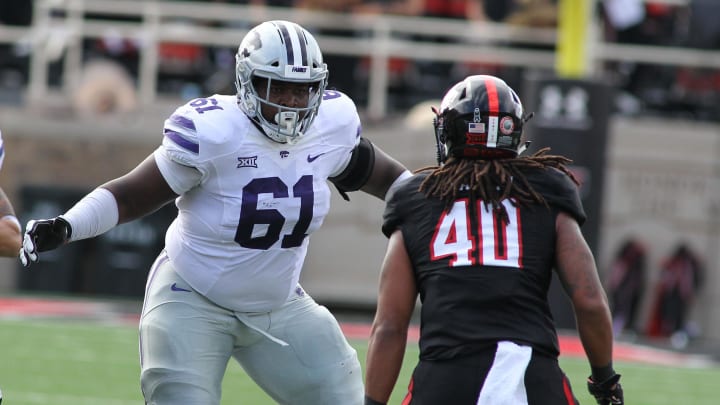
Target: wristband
pixel 370 401
pixel 601 374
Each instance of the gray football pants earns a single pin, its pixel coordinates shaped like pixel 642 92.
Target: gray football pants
pixel 297 353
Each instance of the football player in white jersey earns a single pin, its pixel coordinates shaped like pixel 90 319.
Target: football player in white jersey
pixel 249 175
pixel 10 229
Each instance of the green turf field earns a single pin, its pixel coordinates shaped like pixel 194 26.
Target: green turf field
pixel 84 363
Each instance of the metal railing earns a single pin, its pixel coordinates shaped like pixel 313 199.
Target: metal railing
pixel 60 27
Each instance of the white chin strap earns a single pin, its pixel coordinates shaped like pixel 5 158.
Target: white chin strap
pixel 287 120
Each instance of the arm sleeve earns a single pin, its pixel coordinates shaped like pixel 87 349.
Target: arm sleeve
pixel 93 215
pixel 358 169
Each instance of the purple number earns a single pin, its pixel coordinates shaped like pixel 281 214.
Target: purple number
pixel 303 189
pixel 251 215
pixel 200 105
pixel 331 94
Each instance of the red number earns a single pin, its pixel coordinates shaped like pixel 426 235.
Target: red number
pixel 498 244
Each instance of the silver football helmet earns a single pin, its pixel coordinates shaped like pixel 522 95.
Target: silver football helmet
pixel 279 51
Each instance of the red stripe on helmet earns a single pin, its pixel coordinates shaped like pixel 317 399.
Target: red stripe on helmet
pixel 492 94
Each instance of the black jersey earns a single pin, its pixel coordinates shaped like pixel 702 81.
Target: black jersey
pixel 481 280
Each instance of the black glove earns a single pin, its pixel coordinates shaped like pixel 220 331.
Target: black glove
pixel 43 235
pixel 608 392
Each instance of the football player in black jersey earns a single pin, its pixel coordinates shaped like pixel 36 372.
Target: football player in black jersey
pixel 477 238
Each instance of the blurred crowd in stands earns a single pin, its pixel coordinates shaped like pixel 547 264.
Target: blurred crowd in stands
pixel 666 89
pixel 189 70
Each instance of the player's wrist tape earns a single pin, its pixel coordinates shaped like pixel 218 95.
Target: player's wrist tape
pixel 601 374
pixel 370 401
pixel 93 215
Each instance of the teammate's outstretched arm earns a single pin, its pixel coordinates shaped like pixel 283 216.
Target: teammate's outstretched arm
pixel 10 234
pixel 139 192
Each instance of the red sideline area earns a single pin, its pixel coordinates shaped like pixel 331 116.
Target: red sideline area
pixel 20 308
pixel 570 346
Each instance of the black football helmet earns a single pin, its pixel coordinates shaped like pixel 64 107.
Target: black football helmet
pixel 480 117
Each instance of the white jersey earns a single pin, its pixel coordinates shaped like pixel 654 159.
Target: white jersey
pixel 244 220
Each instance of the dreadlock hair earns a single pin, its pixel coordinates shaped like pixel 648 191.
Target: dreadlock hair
pixel 491 181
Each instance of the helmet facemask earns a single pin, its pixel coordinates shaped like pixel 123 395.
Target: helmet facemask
pixel 279 122
pixel 440 137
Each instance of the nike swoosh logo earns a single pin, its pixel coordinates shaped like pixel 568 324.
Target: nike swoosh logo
pixel 312 158
pixel 174 287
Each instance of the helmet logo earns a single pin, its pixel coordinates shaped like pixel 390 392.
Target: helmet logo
pixel 476 127
pixel 476 115
pixel 254 43
pixel 507 126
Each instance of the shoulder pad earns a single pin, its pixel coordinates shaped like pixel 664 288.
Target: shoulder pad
pixel 199 128
pixel 338 121
pixel 401 202
pixel 560 191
